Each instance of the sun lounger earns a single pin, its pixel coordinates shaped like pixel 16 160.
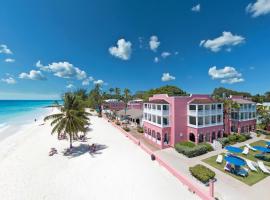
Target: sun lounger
pixel 263 168
pixel 241 172
pixel 246 150
pixel 219 159
pixel 250 147
pixel 228 167
pixel 251 166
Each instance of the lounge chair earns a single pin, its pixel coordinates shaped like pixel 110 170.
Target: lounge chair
pixel 241 172
pixel 246 150
pixel 228 167
pixel 263 168
pixel 251 166
pixel 250 147
pixel 219 159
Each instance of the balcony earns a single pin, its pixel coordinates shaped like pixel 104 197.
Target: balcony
pixel 156 124
pixel 205 112
pixel 156 112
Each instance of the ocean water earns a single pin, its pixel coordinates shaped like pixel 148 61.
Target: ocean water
pixel 14 114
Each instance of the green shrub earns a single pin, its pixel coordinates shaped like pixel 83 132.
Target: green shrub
pixel 126 129
pixel 264 132
pixel 208 146
pixel 232 138
pixel 264 157
pixel 224 141
pixel 194 151
pixel 117 123
pixel 241 138
pixel 139 129
pixel 202 173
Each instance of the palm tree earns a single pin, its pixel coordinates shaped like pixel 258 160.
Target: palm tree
pixel 71 120
pixel 96 99
pixel 126 98
pixel 229 106
pixel 111 90
pixel 117 92
pixel 263 116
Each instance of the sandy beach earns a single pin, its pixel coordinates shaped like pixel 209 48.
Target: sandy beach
pixel 120 170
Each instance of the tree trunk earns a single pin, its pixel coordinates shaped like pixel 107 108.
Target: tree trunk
pixel 70 142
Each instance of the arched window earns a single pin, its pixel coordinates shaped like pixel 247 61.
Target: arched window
pixel 192 137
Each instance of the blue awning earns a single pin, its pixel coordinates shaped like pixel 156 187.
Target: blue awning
pixel 262 149
pixel 235 160
pixel 233 149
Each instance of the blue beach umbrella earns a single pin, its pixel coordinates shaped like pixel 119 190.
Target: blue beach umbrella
pixel 235 160
pixel 233 149
pixel 268 143
pixel 262 149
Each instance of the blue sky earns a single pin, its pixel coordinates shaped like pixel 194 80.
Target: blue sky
pixel 49 47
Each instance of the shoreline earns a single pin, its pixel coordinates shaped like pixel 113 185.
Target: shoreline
pixel 26 121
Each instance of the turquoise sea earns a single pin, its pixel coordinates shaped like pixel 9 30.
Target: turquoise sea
pixel 16 113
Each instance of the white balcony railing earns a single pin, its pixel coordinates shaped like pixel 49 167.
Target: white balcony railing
pixel 205 112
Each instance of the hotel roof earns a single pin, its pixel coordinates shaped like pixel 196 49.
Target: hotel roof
pixel 242 101
pixel 204 101
pixel 158 101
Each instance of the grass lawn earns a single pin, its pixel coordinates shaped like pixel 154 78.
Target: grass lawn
pixel 251 179
pixel 251 154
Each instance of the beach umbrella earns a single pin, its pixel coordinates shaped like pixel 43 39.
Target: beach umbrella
pixel 235 160
pixel 262 149
pixel 233 149
pixel 268 143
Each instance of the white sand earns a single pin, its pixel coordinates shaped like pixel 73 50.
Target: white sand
pixel 122 171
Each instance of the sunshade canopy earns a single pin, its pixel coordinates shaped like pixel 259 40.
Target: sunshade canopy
pixel 235 160
pixel 233 149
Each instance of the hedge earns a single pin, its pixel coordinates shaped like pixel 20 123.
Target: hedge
pixel 202 173
pixel 126 129
pixel 264 132
pixel 139 129
pixel 192 150
pixel 234 138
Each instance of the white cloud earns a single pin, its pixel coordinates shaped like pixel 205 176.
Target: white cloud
pixel 156 59
pixel 9 60
pixel 70 86
pixel 196 8
pixel 122 50
pixel 63 70
pixel 33 75
pixel 260 7
pixel 232 80
pixel 9 80
pixel 87 81
pixel 167 77
pixel 165 54
pixel 227 39
pixel 226 75
pixel 154 43
pixel 99 82
pixel 4 49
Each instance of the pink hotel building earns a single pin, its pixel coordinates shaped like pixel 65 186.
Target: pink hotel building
pixel 198 118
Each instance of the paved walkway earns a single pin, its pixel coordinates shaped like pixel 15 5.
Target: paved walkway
pixel 226 187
